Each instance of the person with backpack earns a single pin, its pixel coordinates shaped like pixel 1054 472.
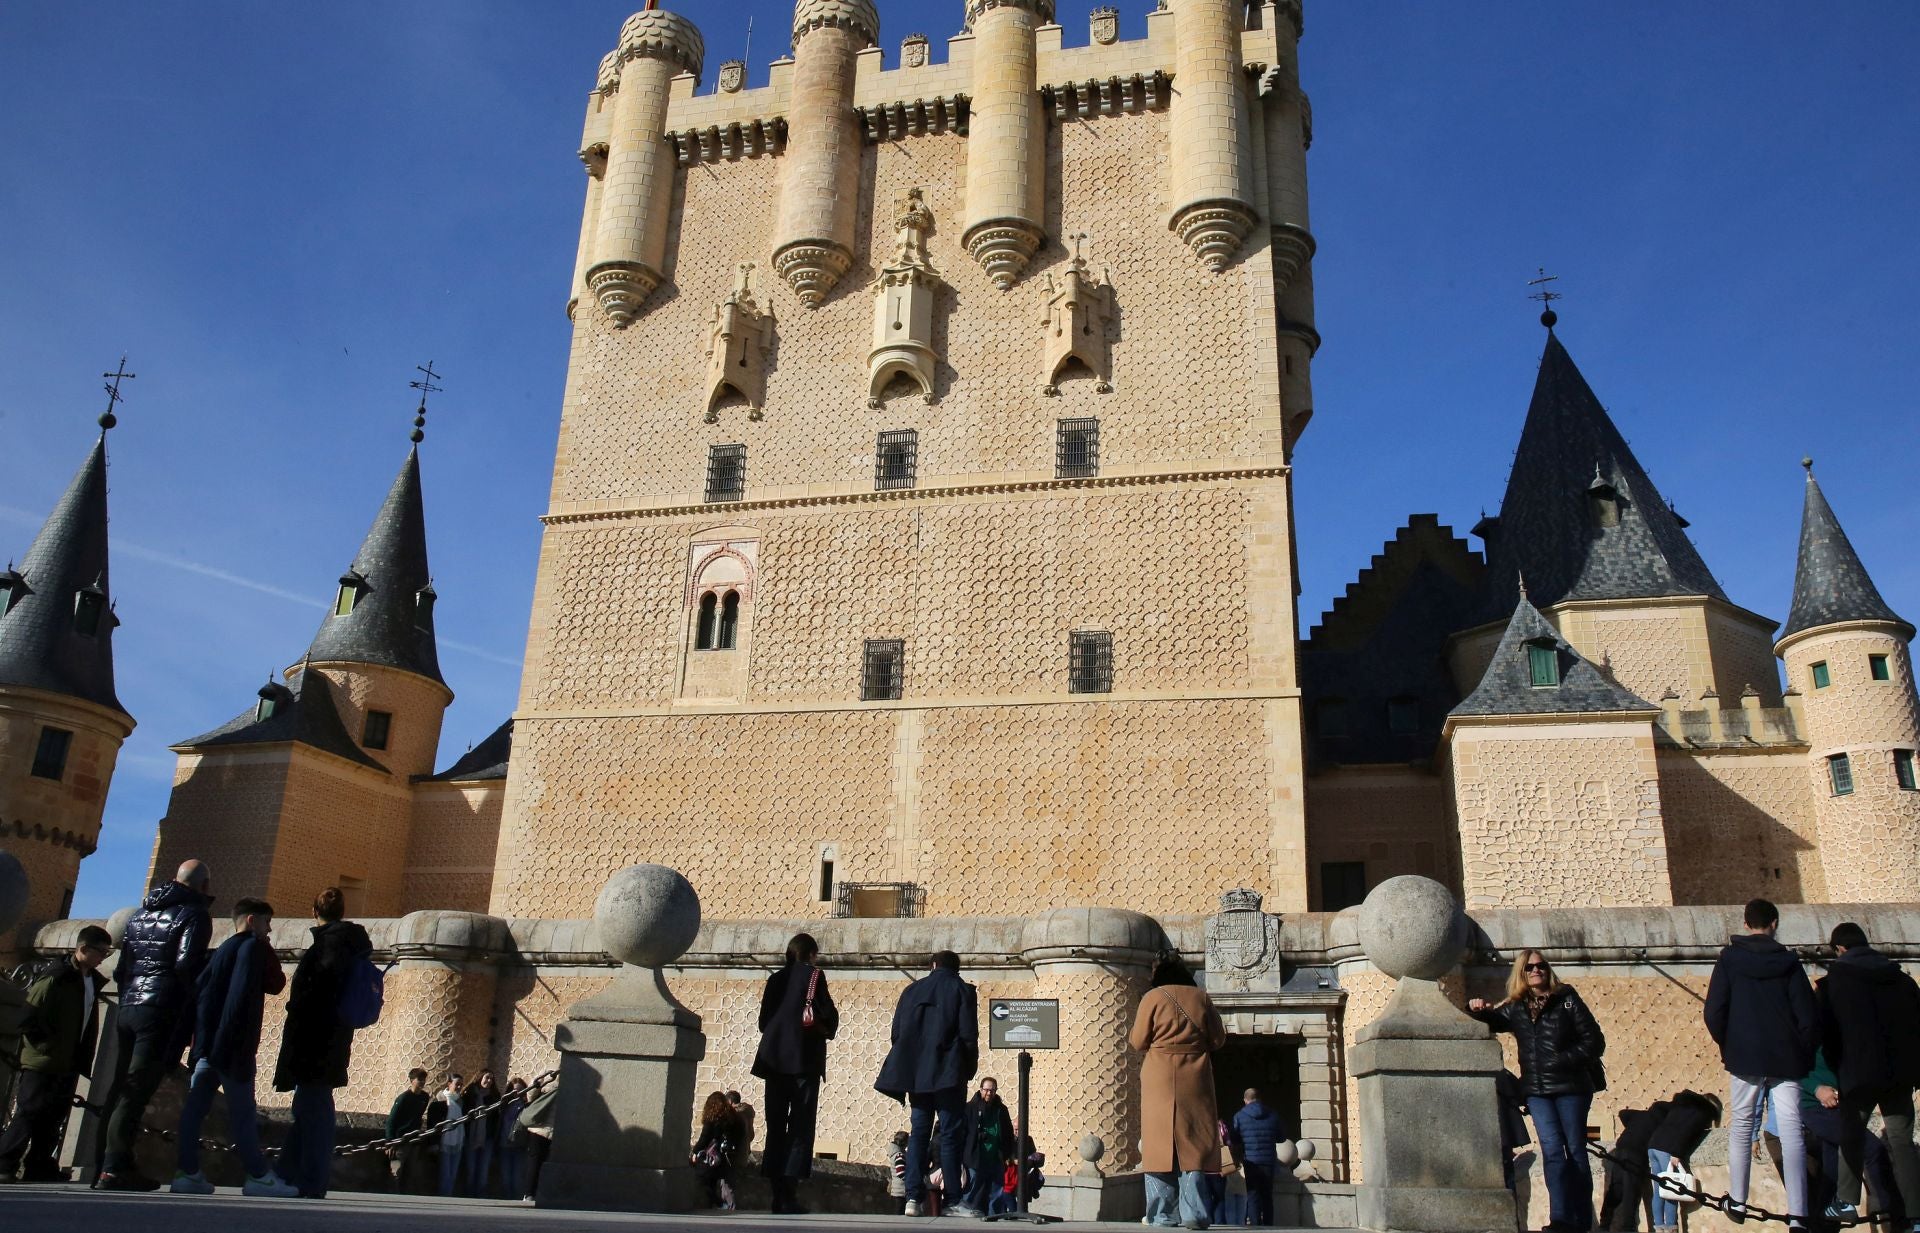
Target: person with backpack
pixel 1760 1012
pixel 1869 1014
pixel 537 1122
pixel 797 1019
pixel 326 1000
pixel 234 989
pixel 57 1039
pixel 712 1155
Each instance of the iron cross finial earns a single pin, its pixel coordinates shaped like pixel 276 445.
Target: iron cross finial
pixel 426 385
pixel 107 418
pixel 1546 295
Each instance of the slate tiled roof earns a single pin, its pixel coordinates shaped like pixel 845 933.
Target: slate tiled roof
pixel 1830 584
pixel 384 627
pixel 1546 531
pixel 487 760
pixel 40 647
pixel 1508 688
pixel 301 715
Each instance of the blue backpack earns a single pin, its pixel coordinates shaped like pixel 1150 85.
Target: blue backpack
pixel 363 995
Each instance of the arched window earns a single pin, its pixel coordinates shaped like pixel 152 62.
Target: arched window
pixel 703 634
pixel 729 619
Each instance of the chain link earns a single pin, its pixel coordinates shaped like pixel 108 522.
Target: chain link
pixel 1727 1204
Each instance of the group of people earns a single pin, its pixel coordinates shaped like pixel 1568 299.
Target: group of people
pixel 178 993
pixel 1808 1063
pixel 485 1156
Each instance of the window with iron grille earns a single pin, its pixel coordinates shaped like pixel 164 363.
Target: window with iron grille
pixel 1076 452
pixel 1090 662
pixel 1840 773
pixel 880 669
pixel 726 473
pixel 896 459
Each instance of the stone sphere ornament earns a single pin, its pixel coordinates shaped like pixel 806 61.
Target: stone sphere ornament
pixel 1286 1154
pixel 13 890
pixel 1305 1150
pixel 1412 927
pixel 648 915
pixel 1092 1148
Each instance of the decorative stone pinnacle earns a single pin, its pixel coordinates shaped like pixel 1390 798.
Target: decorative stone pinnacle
pixel 812 268
pixel 858 16
pixel 661 35
pixel 621 287
pixel 1041 9
pixel 1213 230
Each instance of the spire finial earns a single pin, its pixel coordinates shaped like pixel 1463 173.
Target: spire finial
pixel 107 418
pixel 1522 578
pixel 1546 295
pixel 426 386
pixel 1807 462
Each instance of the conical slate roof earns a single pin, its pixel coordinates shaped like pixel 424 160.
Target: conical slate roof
pixel 388 626
pixel 300 715
pixel 1507 688
pixel 1569 453
pixel 42 643
pixel 487 760
pixel 1830 585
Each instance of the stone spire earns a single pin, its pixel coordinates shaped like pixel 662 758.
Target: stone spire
pixel 56 633
pixel 1830 585
pixel 383 611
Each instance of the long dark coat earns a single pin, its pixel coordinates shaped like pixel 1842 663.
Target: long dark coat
pixel 936 1037
pixel 787 1047
pixel 315 1046
pixel 1179 1030
pixel 1870 1022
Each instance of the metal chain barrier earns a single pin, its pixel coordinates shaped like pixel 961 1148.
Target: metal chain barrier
pixel 1732 1208
pixel 524 1096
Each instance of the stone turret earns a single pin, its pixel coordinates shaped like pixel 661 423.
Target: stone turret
pixel 1212 209
pixel 636 189
pixel 813 243
pixel 1288 123
pixel 1848 654
pixel 1007 142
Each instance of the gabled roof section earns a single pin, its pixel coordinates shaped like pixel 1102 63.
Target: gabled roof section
pixel 1571 456
pixel 1830 585
pixel 42 645
pixel 387 626
pixel 301 715
pixel 487 760
pixel 1508 688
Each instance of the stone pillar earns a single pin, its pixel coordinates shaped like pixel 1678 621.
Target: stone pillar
pixel 1210 134
pixel 595 158
pixel 820 186
pixel 1429 1122
pixel 1006 138
pixel 623 1119
pixel 440 1001
pixel 630 249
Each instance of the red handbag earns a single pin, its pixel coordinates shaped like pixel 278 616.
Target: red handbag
pixel 813 987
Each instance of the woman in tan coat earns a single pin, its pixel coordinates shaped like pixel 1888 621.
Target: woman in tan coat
pixel 1178 1029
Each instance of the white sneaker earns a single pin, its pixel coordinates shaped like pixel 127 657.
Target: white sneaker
pixel 269 1186
pixel 913 1208
pixel 191 1183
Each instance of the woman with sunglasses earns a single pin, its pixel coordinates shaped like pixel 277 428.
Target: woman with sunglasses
pixel 1560 1046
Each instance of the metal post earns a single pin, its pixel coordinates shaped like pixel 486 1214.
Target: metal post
pixel 1021 1134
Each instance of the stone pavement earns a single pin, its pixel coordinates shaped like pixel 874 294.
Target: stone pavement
pixel 70 1209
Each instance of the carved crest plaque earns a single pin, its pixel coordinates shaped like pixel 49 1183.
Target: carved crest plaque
pixel 1243 945
pixel 1106 25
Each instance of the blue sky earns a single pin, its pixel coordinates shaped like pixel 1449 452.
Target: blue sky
pixel 277 218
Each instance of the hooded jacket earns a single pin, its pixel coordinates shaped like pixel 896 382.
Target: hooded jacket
pixel 232 996
pixel 315 1047
pixel 1760 1010
pixel 1558 1050
pixel 1688 1118
pixel 1870 1022
pixel 163 949
pixel 936 1037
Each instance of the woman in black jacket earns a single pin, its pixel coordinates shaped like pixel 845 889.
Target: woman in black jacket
pixel 797 1019
pixel 1560 1046
pixel 315 1045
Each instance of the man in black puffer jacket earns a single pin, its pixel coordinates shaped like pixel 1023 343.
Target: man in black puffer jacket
pixel 161 956
pixel 1760 1012
pixel 1870 1027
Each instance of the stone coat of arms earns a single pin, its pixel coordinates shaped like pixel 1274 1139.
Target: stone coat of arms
pixel 1243 945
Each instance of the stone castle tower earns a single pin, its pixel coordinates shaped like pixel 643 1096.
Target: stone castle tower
pixel 61 723
pixel 921 509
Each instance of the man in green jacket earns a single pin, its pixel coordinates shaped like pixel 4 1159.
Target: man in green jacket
pixel 63 1022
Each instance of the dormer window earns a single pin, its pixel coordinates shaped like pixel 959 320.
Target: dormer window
pixel 1543 664
pixel 89 605
pixel 423 601
pixel 352 587
pixel 269 704
pixel 1603 501
pixel 13 589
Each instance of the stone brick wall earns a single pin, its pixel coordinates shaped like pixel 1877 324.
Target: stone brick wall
pixel 225 809
pixel 51 824
pixel 416 704
pixel 451 845
pixel 341 825
pixel 1740 825
pixel 1393 818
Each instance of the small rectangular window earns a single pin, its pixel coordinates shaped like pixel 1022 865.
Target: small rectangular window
pixel 1903 768
pixel 1077 449
pixel 88 606
pixel 1877 666
pixel 881 669
pixel 343 602
pixel 50 756
pixel 896 458
pixel 1343 884
pixel 379 727
pixel 1543 664
pixel 828 856
pixel 1090 662
pixel 726 473
pixel 1840 772
pixel 1821 677
pixel 1403 715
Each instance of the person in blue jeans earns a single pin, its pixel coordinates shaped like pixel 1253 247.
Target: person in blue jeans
pixel 1257 1129
pixel 935 1052
pixel 315 1046
pixel 1560 1045
pixel 450 1105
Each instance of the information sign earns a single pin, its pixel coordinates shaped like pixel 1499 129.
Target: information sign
pixel 1023 1023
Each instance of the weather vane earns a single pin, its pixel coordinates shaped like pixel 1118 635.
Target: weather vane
pixel 107 418
pixel 1546 295
pixel 426 386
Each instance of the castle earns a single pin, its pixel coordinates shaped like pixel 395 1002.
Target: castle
pixel 919 565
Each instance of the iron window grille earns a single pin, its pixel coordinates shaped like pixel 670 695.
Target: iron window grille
pixel 1090 662
pixel 1076 453
pixel 726 473
pixel 896 459
pixel 50 756
pixel 881 669
pixel 878 899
